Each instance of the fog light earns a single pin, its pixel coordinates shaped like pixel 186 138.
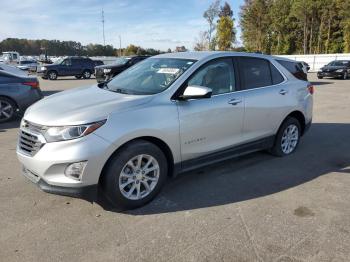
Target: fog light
pixel 75 170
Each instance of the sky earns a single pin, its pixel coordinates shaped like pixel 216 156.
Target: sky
pixel 158 24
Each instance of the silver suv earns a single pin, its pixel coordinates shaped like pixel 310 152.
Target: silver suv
pixel 167 114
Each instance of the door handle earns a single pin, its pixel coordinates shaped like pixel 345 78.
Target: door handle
pixel 283 92
pixel 235 101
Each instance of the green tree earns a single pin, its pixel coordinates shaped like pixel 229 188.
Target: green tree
pixel 225 29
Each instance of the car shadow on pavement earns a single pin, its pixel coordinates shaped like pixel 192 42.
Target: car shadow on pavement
pixel 324 149
pixel 315 83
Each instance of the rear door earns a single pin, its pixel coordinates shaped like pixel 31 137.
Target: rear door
pixel 212 124
pixel 266 95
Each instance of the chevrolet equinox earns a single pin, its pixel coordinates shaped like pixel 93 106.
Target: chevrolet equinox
pixel 167 114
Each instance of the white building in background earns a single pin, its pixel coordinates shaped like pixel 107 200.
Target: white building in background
pixel 318 61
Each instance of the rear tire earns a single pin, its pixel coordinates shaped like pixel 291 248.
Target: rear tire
pixel 127 181
pixel 78 77
pixel 7 109
pixel 86 74
pixel 287 138
pixel 320 77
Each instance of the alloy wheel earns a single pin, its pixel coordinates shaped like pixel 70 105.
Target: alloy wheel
pixel 290 139
pixel 6 110
pixel 139 177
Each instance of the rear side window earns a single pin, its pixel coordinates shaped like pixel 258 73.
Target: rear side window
pixel 295 69
pixel 276 75
pixel 255 72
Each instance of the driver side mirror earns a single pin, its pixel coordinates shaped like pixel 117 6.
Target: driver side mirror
pixel 196 92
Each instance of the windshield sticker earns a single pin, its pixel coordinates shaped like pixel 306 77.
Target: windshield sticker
pixel 172 71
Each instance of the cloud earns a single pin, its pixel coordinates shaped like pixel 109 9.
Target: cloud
pixel 153 23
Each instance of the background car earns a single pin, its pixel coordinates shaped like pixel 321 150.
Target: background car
pixel 335 69
pixel 68 66
pixel 28 65
pixel 12 69
pixel 17 93
pixel 106 72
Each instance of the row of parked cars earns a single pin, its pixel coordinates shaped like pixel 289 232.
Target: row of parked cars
pixel 19 90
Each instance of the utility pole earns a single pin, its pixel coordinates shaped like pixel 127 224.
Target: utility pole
pixel 103 27
pixel 120 45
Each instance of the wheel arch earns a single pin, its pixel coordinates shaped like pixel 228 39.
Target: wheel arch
pixel 154 140
pixel 10 98
pixel 300 117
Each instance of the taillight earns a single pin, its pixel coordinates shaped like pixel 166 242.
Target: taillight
pixel 32 84
pixel 311 89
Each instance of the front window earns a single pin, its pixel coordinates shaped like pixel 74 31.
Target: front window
pixel 150 76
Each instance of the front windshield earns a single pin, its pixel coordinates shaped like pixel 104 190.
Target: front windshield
pixel 337 63
pixel 150 76
pixel 121 60
pixel 58 61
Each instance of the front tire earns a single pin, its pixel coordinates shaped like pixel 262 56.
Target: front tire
pixel 320 77
pixel 86 74
pixel 77 77
pixel 287 138
pixel 52 75
pixel 7 109
pixel 345 76
pixel 135 175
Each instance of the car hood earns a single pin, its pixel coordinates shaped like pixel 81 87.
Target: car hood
pixel 110 66
pixel 81 105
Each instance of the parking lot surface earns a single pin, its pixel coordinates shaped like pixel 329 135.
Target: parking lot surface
pixel 254 208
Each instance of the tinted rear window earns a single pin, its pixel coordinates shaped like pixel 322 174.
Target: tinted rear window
pixel 294 68
pixel 255 72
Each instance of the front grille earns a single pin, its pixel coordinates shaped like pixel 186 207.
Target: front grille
pixel 29 142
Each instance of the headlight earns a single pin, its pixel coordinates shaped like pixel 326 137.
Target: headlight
pixel 340 71
pixel 43 68
pixel 62 133
pixel 106 70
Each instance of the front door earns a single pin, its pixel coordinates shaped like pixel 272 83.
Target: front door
pixel 209 125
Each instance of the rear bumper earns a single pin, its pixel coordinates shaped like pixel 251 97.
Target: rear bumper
pixel 307 127
pixel 32 96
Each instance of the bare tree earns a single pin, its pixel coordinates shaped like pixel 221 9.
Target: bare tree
pixel 201 43
pixel 210 14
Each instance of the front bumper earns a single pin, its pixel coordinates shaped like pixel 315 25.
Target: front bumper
pixel 100 76
pixel 85 192
pixel 330 74
pixel 46 167
pixel 43 74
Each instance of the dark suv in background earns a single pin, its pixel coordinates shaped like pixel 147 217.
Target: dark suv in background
pixel 69 66
pixel 107 72
pixel 336 69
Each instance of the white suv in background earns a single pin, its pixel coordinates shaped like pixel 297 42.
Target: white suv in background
pixel 167 114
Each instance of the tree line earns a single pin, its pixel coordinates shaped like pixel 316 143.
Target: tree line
pixel 279 27
pixel 296 26
pixel 69 48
